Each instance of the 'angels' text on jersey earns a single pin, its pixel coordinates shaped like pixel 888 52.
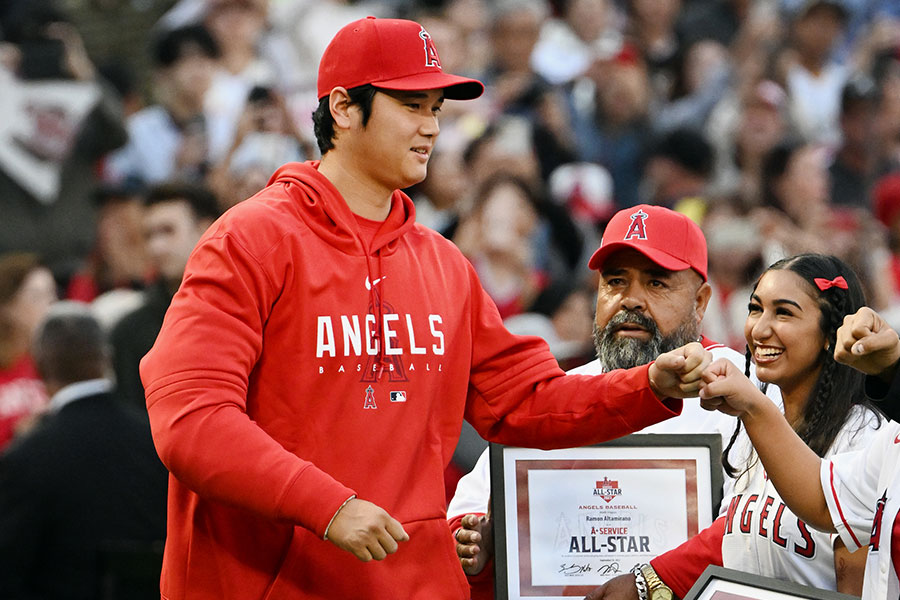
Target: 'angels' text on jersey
pixel 740 521
pixel 357 336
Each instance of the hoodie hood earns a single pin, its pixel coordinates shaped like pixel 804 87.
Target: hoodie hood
pixel 325 211
pixel 322 208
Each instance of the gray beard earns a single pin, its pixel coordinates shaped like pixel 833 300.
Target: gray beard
pixel 617 352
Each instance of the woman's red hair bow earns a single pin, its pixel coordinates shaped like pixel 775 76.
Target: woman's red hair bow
pixel 838 282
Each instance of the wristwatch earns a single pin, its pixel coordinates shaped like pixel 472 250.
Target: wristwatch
pixel 656 589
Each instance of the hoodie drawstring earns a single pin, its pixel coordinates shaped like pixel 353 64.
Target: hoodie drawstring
pixel 380 296
pixel 376 301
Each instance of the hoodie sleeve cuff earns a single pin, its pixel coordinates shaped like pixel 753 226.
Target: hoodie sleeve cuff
pixel 313 500
pixel 334 516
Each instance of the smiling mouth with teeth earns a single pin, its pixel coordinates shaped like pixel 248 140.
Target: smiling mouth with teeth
pixel 769 352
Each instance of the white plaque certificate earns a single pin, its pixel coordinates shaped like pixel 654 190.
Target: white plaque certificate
pixel 569 520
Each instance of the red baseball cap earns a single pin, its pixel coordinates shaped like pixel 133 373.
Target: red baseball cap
pixel 668 238
pixel 394 54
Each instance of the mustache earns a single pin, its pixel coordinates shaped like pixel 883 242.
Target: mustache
pixel 630 317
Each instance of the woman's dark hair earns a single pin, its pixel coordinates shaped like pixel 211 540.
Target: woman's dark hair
pixel 838 387
pixel 534 196
pixel 323 122
pixel 15 267
pixel 566 237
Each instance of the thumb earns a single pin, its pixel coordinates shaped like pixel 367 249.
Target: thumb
pixel 670 361
pixel 396 530
pixel 875 341
pixel 470 521
pixel 862 333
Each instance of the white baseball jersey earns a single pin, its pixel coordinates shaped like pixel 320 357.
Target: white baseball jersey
pixel 862 490
pixel 474 489
pixel 763 536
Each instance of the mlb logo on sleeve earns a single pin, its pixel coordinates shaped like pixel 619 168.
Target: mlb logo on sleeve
pixel 398 396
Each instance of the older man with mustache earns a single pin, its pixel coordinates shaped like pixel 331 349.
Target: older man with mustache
pixel 651 299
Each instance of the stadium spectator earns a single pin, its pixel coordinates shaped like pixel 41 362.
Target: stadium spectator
pixel 27 290
pixel 173 138
pixel 84 478
pixel 175 215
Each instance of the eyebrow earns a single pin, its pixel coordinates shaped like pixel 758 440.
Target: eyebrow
pixel 410 95
pixel 659 273
pixel 777 302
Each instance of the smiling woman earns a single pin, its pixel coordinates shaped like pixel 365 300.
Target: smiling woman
pixel 795 309
pixel 794 312
pixel 784 337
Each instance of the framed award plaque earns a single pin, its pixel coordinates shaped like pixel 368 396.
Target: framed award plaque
pixel 718 583
pixel 567 521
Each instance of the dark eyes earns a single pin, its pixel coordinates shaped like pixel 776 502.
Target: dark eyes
pixel 417 106
pixel 621 281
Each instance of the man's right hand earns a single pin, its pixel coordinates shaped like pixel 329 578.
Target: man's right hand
pixel 617 588
pixel 474 543
pixel 678 373
pixel 366 530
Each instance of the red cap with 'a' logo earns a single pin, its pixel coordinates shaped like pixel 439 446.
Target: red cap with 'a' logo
pixel 668 238
pixel 394 54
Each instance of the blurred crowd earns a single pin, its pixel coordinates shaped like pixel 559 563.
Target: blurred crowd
pixel 775 124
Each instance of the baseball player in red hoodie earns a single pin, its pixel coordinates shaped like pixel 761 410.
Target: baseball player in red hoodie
pixel 310 380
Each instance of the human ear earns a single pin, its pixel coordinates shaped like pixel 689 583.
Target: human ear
pixel 701 300
pixel 340 105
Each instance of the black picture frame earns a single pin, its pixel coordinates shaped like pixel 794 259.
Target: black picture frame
pixel 719 583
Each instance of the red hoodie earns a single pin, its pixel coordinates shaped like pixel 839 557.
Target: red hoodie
pixel 274 395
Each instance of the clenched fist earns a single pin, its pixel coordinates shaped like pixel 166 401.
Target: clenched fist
pixel 366 530
pixel 677 374
pixel 866 343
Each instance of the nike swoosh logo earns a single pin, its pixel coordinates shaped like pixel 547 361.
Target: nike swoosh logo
pixel 897 439
pixel 369 285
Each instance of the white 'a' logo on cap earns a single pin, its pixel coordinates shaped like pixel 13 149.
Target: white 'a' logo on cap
pixel 431 55
pixel 637 229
